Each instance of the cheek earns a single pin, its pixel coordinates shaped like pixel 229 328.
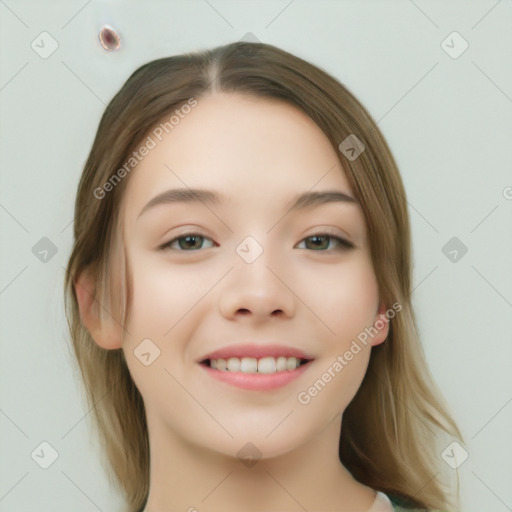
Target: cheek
pixel 347 309
pixel 344 297
pixel 164 299
pixel 162 294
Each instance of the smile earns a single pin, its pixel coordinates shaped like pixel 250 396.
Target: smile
pixel 250 373
pixel 254 365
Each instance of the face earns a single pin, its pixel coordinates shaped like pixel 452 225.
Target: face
pixel 246 269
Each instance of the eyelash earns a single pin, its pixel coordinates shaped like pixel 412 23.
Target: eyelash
pixel 342 244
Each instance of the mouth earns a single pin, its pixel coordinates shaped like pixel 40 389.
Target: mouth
pixel 253 373
pixel 253 365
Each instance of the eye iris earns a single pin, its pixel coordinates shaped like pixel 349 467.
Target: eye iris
pixel 190 239
pixel 319 242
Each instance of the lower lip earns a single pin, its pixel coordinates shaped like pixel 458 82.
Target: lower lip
pixel 257 381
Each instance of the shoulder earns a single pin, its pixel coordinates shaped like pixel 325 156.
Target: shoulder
pixel 401 505
pixel 387 503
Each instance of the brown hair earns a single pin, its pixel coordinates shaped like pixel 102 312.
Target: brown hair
pixel 389 430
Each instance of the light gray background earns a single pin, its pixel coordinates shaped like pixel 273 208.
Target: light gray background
pixel 448 122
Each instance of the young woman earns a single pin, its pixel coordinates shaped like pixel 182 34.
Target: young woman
pixel 239 296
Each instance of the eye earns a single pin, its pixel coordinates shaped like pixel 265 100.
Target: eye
pixel 186 242
pixel 317 242
pixel 321 242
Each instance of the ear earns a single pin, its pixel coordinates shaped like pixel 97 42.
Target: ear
pixel 106 331
pixel 381 324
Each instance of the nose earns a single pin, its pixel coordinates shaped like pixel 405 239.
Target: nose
pixel 257 292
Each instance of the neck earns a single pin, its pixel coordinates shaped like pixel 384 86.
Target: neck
pixel 188 477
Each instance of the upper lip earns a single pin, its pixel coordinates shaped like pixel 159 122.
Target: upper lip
pixel 257 351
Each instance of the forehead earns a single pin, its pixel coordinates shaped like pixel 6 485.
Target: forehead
pixel 250 149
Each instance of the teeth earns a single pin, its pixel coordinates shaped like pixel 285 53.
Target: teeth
pixel 234 364
pixel 253 365
pixel 267 365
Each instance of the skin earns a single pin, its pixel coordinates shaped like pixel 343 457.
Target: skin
pixel 259 153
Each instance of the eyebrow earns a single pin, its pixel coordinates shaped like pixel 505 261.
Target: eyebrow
pixel 209 197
